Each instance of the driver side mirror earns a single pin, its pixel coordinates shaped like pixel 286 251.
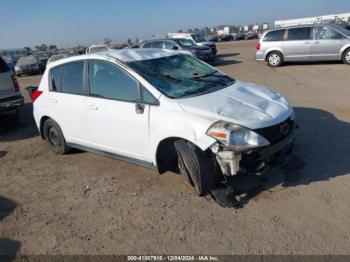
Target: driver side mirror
pixel 175 47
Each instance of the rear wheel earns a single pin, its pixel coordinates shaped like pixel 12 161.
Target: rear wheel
pixel 197 167
pixel 274 59
pixel 346 56
pixel 54 137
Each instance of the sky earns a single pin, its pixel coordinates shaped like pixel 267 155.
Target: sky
pixel 71 22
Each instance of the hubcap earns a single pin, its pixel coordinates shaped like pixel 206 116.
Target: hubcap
pixel 274 59
pixel 53 137
pixel 347 57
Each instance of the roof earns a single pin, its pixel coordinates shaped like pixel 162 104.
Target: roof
pixel 124 55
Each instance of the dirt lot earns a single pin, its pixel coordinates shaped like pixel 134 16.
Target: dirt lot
pixel 82 203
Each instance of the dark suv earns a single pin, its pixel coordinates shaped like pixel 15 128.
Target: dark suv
pixel 10 96
pixel 185 46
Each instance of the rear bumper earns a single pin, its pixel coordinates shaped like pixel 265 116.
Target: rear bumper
pixel 11 103
pixel 205 57
pixel 27 71
pixel 259 56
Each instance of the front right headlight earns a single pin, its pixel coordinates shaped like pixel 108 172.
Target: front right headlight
pixel 237 137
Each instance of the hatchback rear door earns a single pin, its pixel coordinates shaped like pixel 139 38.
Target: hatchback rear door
pixel 327 44
pixel 297 46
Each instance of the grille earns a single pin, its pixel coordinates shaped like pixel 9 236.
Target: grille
pixel 276 133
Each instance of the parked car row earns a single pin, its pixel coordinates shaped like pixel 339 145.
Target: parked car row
pixel 182 45
pixel 234 37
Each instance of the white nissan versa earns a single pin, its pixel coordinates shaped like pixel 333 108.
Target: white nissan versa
pixel 165 110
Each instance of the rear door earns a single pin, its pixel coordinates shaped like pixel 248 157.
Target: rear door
pixel 115 123
pixel 297 46
pixel 66 100
pixel 327 44
pixel 6 83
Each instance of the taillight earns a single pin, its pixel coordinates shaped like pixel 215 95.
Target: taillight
pixel 258 46
pixel 36 95
pixel 15 82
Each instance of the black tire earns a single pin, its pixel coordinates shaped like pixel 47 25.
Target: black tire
pixel 274 59
pixel 54 137
pixel 346 56
pixel 15 116
pixel 198 168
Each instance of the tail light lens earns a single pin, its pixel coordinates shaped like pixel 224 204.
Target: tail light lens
pixel 36 95
pixel 15 82
pixel 258 46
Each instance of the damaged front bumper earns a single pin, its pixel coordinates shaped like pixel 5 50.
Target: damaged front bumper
pixel 253 161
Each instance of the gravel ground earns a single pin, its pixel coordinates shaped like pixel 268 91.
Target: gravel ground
pixel 82 203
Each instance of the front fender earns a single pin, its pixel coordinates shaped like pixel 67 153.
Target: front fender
pixel 165 123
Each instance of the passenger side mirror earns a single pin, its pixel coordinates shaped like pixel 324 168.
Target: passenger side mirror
pixel 175 47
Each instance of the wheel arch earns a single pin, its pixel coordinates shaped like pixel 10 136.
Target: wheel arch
pixel 41 127
pixel 166 155
pixel 268 52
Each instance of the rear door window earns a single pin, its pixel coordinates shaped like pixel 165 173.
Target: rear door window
pixel 302 33
pixel 72 78
pixel 277 35
pixel 3 66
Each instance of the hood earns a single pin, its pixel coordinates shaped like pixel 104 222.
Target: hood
pixel 200 48
pixel 242 103
pixel 205 44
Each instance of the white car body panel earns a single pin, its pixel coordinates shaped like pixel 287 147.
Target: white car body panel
pixel 242 103
pixel 93 122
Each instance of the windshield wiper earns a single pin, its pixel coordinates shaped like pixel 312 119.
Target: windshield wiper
pixel 189 78
pixel 213 74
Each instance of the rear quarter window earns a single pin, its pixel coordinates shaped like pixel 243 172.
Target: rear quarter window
pixel 3 66
pixel 277 35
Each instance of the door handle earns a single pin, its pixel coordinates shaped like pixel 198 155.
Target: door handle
pixel 307 43
pixel 317 42
pixel 92 107
pixel 139 108
pixel 54 100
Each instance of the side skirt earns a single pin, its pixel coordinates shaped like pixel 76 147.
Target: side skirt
pixel 115 156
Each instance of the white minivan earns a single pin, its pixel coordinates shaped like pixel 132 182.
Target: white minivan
pixel 164 110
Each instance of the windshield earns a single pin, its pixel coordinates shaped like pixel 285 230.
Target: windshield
pixel 179 76
pixel 98 49
pixel 27 60
pixel 198 38
pixel 185 42
pixel 342 30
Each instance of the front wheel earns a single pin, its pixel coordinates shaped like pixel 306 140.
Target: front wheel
pixel 54 137
pixel 346 56
pixel 198 168
pixel 274 59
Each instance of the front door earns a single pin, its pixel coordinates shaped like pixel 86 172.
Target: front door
pixel 327 44
pixel 115 121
